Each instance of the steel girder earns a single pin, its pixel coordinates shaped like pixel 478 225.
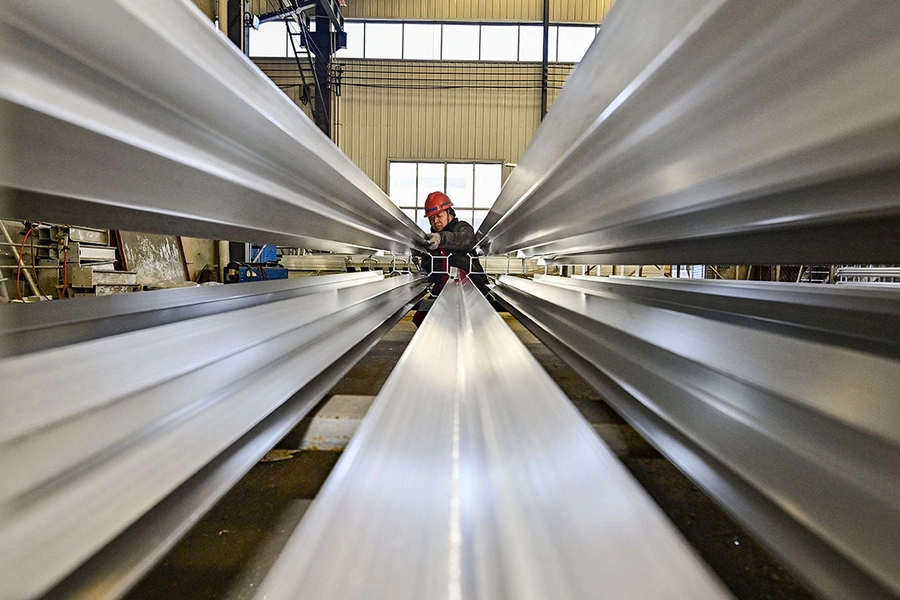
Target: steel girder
pixel 777 402
pixel 112 448
pixel 718 131
pixel 141 116
pixel 473 476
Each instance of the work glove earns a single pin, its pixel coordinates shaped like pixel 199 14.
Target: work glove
pixel 433 241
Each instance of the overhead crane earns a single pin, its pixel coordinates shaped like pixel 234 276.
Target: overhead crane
pixel 702 131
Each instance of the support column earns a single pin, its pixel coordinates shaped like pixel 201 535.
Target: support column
pixel 323 41
pixel 545 60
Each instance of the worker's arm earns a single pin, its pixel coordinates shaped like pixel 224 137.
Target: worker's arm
pixel 461 240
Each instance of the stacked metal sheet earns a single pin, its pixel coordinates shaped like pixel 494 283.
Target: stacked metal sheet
pixel 111 448
pixel 727 132
pixel 136 116
pixel 473 476
pixel 702 131
pixel 718 132
pixel 780 400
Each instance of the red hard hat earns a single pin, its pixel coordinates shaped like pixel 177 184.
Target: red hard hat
pixel 436 202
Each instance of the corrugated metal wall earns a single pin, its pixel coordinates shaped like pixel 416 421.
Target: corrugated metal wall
pixel 580 11
pixel 428 110
pixel 577 11
pixel 437 110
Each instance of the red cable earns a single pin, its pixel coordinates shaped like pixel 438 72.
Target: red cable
pixel 19 267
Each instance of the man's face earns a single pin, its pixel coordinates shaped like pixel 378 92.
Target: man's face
pixel 440 220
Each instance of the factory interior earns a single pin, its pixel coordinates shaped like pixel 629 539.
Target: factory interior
pixel 677 377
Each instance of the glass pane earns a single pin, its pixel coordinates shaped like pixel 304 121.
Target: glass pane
pixel 574 42
pixel 478 218
pixel 499 42
pixel 460 42
pixel 487 184
pixel 431 178
pixel 460 183
pixel 410 212
pixel 384 40
pixel 531 43
pixel 402 183
pixel 354 49
pixel 269 40
pixel 421 42
pixel 552 37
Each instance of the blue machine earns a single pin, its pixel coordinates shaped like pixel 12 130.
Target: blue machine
pixel 244 272
pixel 266 253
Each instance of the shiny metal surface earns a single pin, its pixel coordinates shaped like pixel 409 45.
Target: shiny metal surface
pixel 865 320
pixel 137 116
pixel 790 421
pixel 121 422
pixel 718 131
pixel 53 324
pixel 473 476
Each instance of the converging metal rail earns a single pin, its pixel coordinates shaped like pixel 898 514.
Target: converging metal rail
pixel 867 320
pixel 141 116
pixel 790 421
pixel 718 132
pixel 47 325
pixel 473 476
pixel 111 448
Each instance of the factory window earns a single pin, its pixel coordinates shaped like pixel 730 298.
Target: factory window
pixel 384 40
pixel 356 32
pixel 460 42
pixel 499 42
pixel 572 46
pixel 439 41
pixel 531 43
pixel 271 40
pixel 421 41
pixel 472 186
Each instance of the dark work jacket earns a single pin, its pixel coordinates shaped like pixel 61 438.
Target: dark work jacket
pixel 457 246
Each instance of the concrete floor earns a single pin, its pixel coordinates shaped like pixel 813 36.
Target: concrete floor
pixel 229 552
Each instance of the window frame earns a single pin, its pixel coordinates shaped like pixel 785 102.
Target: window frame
pixel 466 212
pixel 553 50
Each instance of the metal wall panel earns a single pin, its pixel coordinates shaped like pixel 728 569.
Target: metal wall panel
pixel 464 10
pixel 580 11
pixel 455 110
pixel 575 11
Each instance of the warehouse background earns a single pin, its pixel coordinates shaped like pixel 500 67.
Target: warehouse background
pixel 386 110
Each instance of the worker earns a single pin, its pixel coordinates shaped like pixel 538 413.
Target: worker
pixel 450 245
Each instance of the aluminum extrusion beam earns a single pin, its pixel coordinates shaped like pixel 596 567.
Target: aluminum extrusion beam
pixel 95 449
pixel 473 476
pixel 798 438
pixel 867 320
pixel 47 325
pixel 142 116
pixel 718 131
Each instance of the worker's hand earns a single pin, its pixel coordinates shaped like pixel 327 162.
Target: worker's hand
pixel 433 241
